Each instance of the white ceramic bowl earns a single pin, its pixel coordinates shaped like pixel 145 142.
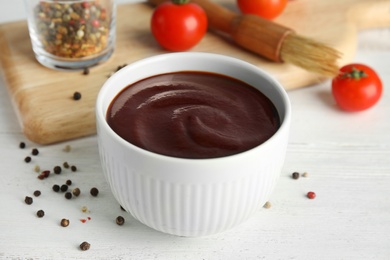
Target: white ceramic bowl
pixel 191 197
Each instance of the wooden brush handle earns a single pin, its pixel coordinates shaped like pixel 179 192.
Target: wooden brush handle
pixel 251 32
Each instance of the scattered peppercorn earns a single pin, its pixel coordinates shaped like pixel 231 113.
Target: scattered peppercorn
pixel 120 220
pixel 34 151
pixel 27 159
pixel 22 145
pixel 28 200
pixel 56 187
pixel 37 193
pixel 64 222
pixel 85 246
pixel 295 175
pixel 267 205
pixel 67 148
pixel 311 195
pixel 76 192
pixel 66 165
pixel 84 209
pixel 68 195
pixel 57 169
pixel 68 182
pixel 37 168
pixel 73 168
pixel 44 174
pixel 77 95
pixel 305 174
pixel 94 191
pixel 64 187
pixel 86 71
pixel 40 213
pixel 120 67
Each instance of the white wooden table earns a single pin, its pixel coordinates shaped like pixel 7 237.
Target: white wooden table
pixel 346 156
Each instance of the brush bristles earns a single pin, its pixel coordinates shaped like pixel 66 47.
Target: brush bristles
pixel 310 55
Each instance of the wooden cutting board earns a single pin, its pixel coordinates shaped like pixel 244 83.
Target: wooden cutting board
pixel 43 97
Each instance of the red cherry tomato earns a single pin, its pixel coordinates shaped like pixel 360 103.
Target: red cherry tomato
pixel 357 87
pixel 268 9
pixel 178 27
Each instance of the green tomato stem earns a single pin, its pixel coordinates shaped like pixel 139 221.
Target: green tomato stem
pixel 355 74
pixel 180 2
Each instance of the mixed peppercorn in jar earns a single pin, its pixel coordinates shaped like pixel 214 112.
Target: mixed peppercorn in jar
pixel 72 31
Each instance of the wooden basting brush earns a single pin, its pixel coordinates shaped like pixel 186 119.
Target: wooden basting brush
pixel 269 39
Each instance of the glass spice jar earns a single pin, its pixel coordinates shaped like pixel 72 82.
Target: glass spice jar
pixel 71 34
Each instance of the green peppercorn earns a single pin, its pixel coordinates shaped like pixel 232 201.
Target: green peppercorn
pixel 67 149
pixel 66 165
pixel 37 168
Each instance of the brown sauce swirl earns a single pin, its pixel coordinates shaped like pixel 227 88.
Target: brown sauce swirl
pixel 193 115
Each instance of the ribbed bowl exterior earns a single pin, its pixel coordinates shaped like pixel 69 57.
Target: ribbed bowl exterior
pixel 191 197
pixel 168 198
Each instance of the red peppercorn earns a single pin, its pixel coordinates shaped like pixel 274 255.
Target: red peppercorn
pixel 85 5
pixel 311 195
pixel 95 23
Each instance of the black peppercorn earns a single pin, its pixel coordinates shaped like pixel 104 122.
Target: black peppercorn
pixel 37 193
pixel 64 187
pixel 94 191
pixel 35 151
pixel 68 195
pixel 57 169
pixel 77 95
pixel 56 187
pixel 120 220
pixel 73 168
pixel 64 222
pixel 295 175
pixel 22 145
pixel 85 246
pixel 28 200
pixel 40 213
pixel 68 182
pixel 76 192
pixel 27 159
